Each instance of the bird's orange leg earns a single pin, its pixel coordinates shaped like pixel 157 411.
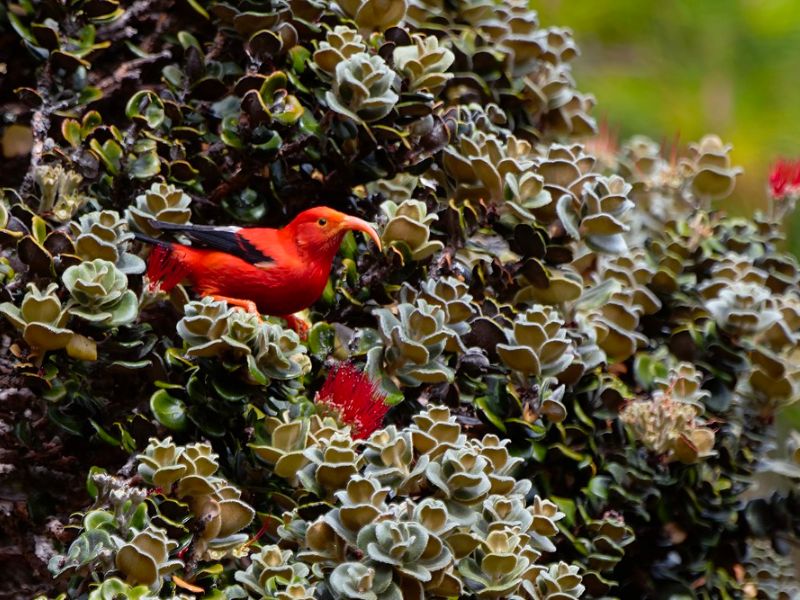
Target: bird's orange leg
pixel 299 325
pixel 248 305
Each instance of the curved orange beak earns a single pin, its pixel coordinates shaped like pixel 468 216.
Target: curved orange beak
pixel 357 224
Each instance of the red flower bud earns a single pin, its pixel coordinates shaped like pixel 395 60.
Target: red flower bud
pixel 784 179
pixel 354 398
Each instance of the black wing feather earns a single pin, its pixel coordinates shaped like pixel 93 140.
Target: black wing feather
pixel 224 239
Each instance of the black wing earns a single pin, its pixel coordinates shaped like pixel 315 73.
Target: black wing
pixel 224 239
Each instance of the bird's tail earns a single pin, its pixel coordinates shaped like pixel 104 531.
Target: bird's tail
pixel 165 269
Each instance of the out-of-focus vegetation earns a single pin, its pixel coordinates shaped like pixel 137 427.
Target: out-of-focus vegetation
pixel 677 69
pixel 681 68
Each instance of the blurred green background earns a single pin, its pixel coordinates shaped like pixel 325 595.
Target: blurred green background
pixel 688 67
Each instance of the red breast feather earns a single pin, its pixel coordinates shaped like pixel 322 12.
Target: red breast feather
pixel 165 269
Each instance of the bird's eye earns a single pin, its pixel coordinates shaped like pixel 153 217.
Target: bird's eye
pixel 322 222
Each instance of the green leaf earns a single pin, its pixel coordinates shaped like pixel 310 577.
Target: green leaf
pixel 535 430
pixel 789 418
pixel 29 96
pixel 110 153
pixel 208 422
pixel 581 415
pixel 131 365
pixel 308 124
pixel 367 339
pixel 146 107
pixel 38 229
pixel 166 385
pixel 97 519
pixel 299 56
pixel 91 487
pixel 187 40
pixel 274 82
pixel 182 170
pixel 349 246
pixel 66 422
pixel 168 410
pixel 598 486
pixel 566 506
pixel 568 452
pixel 57 391
pixel 329 293
pixel 484 403
pixel 198 9
pixel 89 94
pixel 71 130
pixel 104 435
pixel 392 397
pixel 254 372
pixel 647 369
pixel 145 166
pixel 229 132
pixel 272 144
pixel 154 115
pixel 538 451
pixel 229 389
pixel 139 518
pixel 20 28
pixel 137 51
pixel 321 339
pixel 173 75
pixel 91 121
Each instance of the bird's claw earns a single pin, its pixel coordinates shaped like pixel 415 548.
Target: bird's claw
pixel 247 305
pixel 298 325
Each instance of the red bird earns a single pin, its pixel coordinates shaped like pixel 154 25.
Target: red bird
pixel 272 271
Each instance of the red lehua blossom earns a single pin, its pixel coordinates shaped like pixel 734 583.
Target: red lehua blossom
pixel 355 398
pixel 784 178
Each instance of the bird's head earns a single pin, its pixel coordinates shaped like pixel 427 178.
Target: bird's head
pixel 320 230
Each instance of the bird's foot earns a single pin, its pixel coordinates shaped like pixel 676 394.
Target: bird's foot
pixel 300 326
pixel 247 305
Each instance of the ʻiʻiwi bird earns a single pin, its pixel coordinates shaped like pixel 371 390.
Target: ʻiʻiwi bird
pixel 271 271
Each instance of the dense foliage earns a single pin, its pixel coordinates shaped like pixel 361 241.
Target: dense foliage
pixel 583 355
